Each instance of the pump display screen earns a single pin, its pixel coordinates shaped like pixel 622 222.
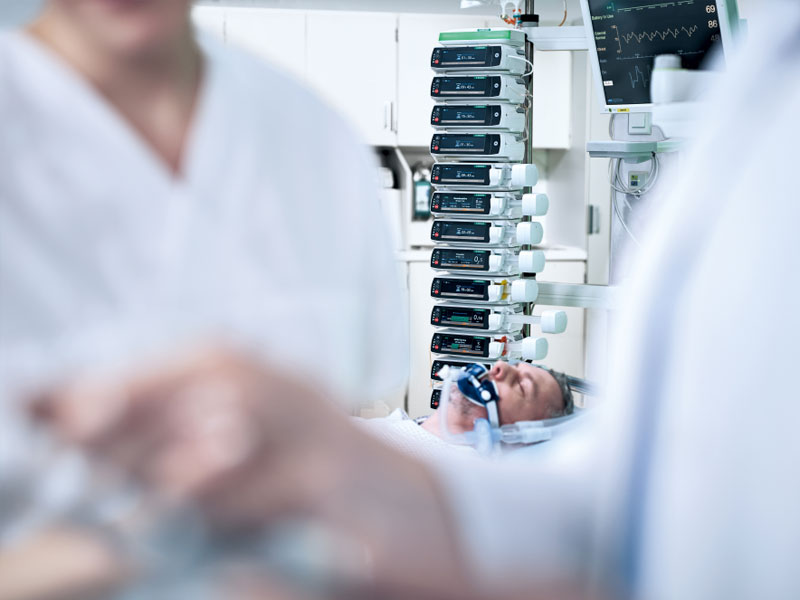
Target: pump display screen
pixel 464 289
pixel 447 258
pixel 465 143
pixel 455 203
pixel 460 231
pixel 456 316
pixel 439 364
pixel 467 57
pixel 466 116
pixel 460 174
pixel 465 87
pixel 470 345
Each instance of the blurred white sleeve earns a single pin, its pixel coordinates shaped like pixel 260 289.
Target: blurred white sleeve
pixel 525 519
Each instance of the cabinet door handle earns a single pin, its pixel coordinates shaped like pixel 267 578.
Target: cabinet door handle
pixel 387 116
pixel 393 115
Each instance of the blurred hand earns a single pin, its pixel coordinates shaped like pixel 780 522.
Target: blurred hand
pixel 250 445
pixel 184 424
pixel 60 564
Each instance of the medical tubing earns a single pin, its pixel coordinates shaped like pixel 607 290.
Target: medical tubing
pixel 462 439
pixel 533 432
pixel 529 432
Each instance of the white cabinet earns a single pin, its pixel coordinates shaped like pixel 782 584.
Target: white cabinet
pixel 420 305
pixel 278 36
pixel 417 35
pixel 352 61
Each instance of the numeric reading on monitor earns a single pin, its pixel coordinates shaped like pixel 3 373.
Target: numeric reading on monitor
pixel 461 203
pixel 460 231
pixel 465 87
pixel 460 316
pixel 629 34
pixel 476 289
pixel 461 174
pixel 455 343
pixel 466 56
pixel 464 116
pixel 465 143
pixel 445 258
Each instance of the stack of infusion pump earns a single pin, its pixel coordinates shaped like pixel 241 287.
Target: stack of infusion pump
pixel 483 261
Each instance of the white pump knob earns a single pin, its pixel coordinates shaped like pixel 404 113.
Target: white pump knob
pixel 496 262
pixel 554 321
pixel 495 293
pixel 496 350
pixel 497 205
pixel 524 290
pixel 534 348
pixel 524 175
pixel 535 205
pixel 530 233
pixel 495 321
pixel 531 261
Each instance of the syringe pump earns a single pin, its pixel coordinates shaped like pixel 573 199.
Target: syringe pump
pixel 503 319
pixel 503 205
pixel 500 261
pixel 484 290
pixel 492 347
pixel 484 176
pixel 480 146
pixel 489 233
pixel 506 59
pixel 456 117
pixel 505 88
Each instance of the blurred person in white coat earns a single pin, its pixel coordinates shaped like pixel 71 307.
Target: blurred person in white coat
pixel 151 182
pixel 690 488
pixel 157 190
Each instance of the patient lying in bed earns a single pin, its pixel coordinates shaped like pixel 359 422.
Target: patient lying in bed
pixel 526 393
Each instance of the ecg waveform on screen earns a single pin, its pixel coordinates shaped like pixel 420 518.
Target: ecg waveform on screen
pixel 639 77
pixel 663 34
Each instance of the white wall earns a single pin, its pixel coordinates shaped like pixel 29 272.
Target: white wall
pixel 549 10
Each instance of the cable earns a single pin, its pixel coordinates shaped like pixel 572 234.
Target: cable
pixel 564 20
pixel 526 61
pixel 620 187
pixel 611 126
pixel 615 177
pixel 622 219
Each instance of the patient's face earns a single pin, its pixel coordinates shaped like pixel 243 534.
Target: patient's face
pixel 526 393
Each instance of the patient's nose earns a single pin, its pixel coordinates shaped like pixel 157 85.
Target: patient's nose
pixel 498 371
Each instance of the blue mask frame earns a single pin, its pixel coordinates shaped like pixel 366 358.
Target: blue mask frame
pixel 474 385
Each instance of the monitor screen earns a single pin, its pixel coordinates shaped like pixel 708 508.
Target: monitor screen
pixel 627 35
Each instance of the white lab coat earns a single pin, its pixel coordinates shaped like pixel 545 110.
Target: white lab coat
pixel 272 236
pixel 272 232
pixel 691 489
